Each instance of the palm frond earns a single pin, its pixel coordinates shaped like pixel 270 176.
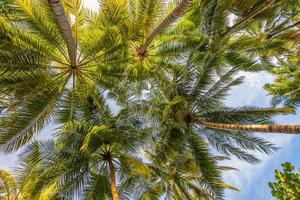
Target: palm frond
pixel 211 174
pixel 20 127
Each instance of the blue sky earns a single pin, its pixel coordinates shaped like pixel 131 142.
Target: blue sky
pixel 251 180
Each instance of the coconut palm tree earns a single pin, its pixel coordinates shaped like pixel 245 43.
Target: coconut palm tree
pixel 194 74
pixel 183 109
pixel 97 156
pixel 69 171
pixel 54 48
pixel 84 161
pixel 172 64
pixel 58 46
pixel 60 172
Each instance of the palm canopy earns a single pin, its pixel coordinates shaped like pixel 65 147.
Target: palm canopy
pixel 171 64
pixel 89 154
pixel 177 108
pixel 81 162
pixel 56 47
pixel 96 150
pixel 38 68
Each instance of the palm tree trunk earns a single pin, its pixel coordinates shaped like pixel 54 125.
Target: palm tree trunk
pixel 177 12
pixel 286 129
pixel 112 171
pixel 65 28
pixel 260 9
pixel 281 30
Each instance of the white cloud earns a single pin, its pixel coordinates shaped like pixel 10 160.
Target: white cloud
pixel 251 93
pixel 8 162
pixel 246 177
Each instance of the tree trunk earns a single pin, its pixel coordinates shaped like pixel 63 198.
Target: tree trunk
pixel 286 129
pixel 65 28
pixel 281 30
pixel 177 12
pixel 250 16
pixel 112 171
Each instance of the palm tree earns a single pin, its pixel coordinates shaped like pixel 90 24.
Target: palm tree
pixel 100 152
pixel 51 54
pixel 182 106
pixel 69 173
pixel 214 54
pixel 110 144
pixel 85 159
pixel 46 61
pixel 60 61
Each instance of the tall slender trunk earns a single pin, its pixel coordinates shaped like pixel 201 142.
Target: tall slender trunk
pixel 65 28
pixel 281 30
pixel 250 16
pixel 113 184
pixel 177 12
pixel 286 129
